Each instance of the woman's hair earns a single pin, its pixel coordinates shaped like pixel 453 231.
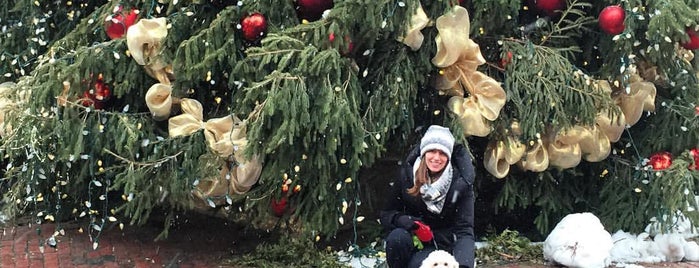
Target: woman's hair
pixel 421 177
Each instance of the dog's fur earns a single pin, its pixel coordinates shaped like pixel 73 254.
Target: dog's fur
pixel 439 259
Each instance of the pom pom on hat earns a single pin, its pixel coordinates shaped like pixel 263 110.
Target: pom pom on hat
pixel 437 137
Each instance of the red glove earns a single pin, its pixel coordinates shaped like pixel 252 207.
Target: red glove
pixel 423 232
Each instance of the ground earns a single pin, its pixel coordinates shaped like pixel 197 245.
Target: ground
pixel 198 241
pixel 195 241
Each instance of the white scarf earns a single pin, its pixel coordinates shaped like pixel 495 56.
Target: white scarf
pixel 434 194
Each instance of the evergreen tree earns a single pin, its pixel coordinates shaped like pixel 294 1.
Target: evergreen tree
pixel 112 109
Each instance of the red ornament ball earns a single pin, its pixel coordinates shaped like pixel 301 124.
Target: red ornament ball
pixel 693 42
pixel 611 19
pixel 116 24
pixel 253 26
pixel 550 6
pixel 279 206
pixel 98 95
pixel 312 10
pixel 506 59
pixel 660 161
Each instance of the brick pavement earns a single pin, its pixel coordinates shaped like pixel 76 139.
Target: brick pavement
pixel 190 246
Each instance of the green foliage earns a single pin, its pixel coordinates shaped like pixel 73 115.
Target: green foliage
pixel 508 247
pixel 630 200
pixel 287 252
pixel 541 85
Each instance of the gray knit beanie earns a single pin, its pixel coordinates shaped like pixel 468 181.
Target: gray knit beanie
pixel 437 137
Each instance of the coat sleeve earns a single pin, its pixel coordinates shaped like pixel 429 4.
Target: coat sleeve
pixel 464 246
pixel 394 207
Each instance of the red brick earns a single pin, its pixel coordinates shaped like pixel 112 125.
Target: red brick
pixel 51 259
pixel 10 262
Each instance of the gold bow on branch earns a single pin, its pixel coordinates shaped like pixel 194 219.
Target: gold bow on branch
pixel 144 40
pixel 233 179
pixel 459 57
pixel 226 136
pixel 413 37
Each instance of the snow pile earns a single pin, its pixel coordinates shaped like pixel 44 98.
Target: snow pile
pixel 578 240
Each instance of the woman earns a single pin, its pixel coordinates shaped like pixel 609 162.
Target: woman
pixel 432 200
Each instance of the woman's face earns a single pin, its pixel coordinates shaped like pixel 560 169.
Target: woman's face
pixel 436 160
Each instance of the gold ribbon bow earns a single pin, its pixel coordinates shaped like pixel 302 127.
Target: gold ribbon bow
pixel 459 57
pixel 471 120
pixel 233 179
pixel 224 135
pixel 144 40
pixel 413 37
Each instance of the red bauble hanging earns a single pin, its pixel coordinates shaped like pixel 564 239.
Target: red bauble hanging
pixel 550 6
pixel 348 41
pixel 116 24
pixel 611 19
pixel 253 27
pixel 312 10
pixel 693 42
pixel 506 59
pixel 279 206
pixel 694 152
pixel 660 161
pixel 98 95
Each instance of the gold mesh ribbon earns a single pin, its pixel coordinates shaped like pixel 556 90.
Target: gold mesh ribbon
pixel 595 145
pixel 536 158
pixel 500 155
pixel 612 128
pixel 413 37
pixel 144 40
pixel 459 57
pixel 159 101
pixel 564 149
pixel 7 91
pixel 639 98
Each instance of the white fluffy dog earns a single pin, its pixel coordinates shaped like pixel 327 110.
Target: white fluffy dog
pixel 439 259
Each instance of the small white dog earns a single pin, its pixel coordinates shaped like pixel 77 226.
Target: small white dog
pixel 439 259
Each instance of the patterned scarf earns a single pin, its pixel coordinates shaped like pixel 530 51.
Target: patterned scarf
pixel 433 194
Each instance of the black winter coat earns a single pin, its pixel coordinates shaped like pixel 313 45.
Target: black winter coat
pixel 453 227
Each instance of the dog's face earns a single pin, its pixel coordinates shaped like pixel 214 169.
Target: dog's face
pixel 439 259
